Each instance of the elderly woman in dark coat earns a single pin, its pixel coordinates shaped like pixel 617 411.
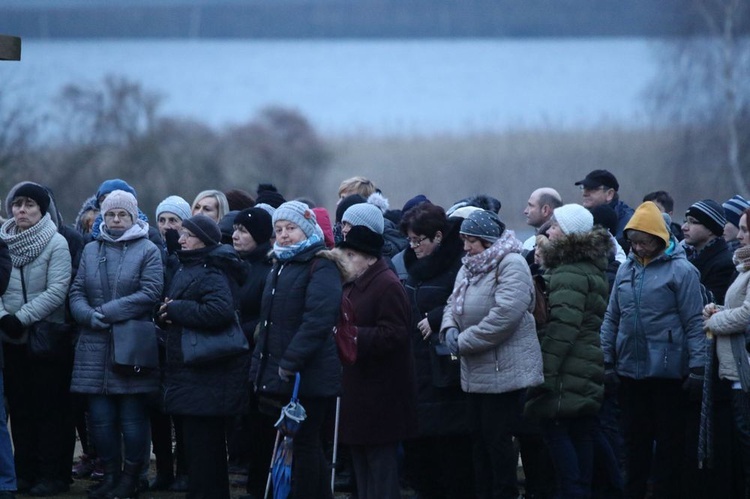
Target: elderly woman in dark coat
pixel 199 296
pixel 301 302
pixel 384 369
pixel 132 267
pixel 438 460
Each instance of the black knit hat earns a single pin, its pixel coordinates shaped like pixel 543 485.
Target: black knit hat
pixel 710 214
pixel 268 194
pixel 362 239
pixel 257 221
pixel 204 229
pixel 36 192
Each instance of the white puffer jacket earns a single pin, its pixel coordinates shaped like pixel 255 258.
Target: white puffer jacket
pixel 498 344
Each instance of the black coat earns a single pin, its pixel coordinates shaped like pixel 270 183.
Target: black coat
pixel 258 265
pixel 430 281
pixel 202 299
pixel 301 302
pixel 715 264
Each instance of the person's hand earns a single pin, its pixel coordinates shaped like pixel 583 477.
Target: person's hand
pixel 611 379
pixel 162 314
pixel 12 326
pixel 97 321
pixel 451 340
pixel 171 239
pixel 424 328
pixel 709 310
pixel 285 375
pixel 693 384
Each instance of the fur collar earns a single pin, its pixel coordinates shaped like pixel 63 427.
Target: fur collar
pixel 593 246
pixel 444 257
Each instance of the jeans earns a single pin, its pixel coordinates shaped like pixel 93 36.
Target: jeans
pixel 494 418
pixel 120 418
pixel 7 467
pixel 570 443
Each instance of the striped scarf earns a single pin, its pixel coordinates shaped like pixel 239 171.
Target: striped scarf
pixel 27 245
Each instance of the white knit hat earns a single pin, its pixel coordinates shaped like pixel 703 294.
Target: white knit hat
pixel 365 214
pixel 176 205
pixel 574 219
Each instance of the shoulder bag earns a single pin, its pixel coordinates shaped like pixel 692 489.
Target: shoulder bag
pixel 200 346
pixel 46 339
pixel 134 346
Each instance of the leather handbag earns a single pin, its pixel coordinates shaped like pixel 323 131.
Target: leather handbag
pixel 134 348
pixel 201 346
pixel 47 340
pixel 445 367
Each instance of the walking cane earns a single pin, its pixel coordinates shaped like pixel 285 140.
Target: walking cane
pixel 270 466
pixel 335 443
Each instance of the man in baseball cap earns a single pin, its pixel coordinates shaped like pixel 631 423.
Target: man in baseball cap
pixel 600 187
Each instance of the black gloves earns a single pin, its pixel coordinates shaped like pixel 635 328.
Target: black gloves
pixel 611 379
pixel 693 384
pixel 12 326
pixel 171 238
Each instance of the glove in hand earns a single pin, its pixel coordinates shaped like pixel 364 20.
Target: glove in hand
pixel 12 326
pixel 451 340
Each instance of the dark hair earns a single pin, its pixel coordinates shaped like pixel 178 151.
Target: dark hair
pixel 547 199
pixel 661 197
pixel 746 212
pixel 425 219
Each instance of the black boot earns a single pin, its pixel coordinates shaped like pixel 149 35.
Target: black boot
pixel 127 485
pixel 102 489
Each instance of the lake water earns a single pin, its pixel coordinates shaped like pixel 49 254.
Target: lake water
pixel 342 86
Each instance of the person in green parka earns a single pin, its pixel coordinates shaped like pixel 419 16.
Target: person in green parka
pixel 567 404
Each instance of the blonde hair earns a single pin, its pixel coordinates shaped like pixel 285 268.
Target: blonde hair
pixel 356 185
pixel 221 200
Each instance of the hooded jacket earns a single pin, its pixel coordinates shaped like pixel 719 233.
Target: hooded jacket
pixel 571 352
pixel 135 279
pixel 653 327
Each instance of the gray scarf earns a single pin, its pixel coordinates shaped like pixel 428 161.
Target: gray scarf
pixel 27 245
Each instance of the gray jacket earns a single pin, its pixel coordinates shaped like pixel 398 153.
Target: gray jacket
pixel 653 327
pixel 135 276
pixel 498 344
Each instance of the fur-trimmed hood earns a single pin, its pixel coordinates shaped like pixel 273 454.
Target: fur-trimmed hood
pixel 594 246
pixel 337 256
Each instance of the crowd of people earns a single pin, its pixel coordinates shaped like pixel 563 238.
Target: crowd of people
pixel 609 349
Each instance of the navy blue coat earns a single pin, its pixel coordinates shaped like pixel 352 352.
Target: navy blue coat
pixel 301 302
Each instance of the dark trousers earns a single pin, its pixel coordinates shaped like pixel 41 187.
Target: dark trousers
pixel 741 418
pixel 493 418
pixel 654 430
pixel 260 435
pixel 206 452
pixel 310 471
pixel 38 393
pixel 161 440
pixel 571 445
pixel 440 467
pixel 376 471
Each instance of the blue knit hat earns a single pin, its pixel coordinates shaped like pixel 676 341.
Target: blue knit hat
pixel 733 209
pixel 710 214
pixel 176 205
pixel 365 214
pixel 298 213
pixel 114 184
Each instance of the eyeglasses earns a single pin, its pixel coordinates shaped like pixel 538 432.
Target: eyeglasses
pixel 691 221
pixel 111 215
pixel 187 235
pixel 648 244
pixel 416 243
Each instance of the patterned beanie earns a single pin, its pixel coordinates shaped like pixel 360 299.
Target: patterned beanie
pixel 733 209
pixel 203 228
pixel 257 221
pixel 176 205
pixel 298 213
pixel 574 218
pixel 121 200
pixel 484 225
pixel 365 214
pixel 710 214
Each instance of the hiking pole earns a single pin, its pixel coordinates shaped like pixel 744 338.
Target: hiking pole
pixel 270 466
pixel 335 442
